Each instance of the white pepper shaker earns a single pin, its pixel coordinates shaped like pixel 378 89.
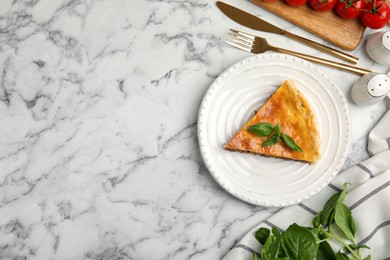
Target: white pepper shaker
pixel 378 47
pixel 370 89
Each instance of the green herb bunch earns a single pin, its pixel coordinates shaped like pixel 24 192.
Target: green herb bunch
pixel 266 129
pixel 308 243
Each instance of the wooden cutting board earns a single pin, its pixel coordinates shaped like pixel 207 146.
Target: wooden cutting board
pixel 346 34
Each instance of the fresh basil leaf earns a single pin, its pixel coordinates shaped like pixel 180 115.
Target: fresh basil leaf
pixel 367 258
pixel 316 234
pixel 325 252
pixel 299 243
pixel 254 256
pixel 261 129
pixel 327 214
pixel 278 129
pixel 316 221
pixel 276 232
pixel 272 246
pixel 344 220
pixel 343 193
pixel 320 219
pixel 262 234
pixel 274 139
pixel 290 143
pixel 341 256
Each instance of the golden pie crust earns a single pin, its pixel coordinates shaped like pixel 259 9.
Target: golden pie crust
pixel 288 107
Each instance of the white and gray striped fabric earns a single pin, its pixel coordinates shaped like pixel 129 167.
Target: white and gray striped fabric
pixel 368 197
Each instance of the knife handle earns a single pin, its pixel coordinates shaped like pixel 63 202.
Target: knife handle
pixel 334 64
pixel 322 47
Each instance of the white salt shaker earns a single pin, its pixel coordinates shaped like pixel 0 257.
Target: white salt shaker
pixel 370 89
pixel 378 47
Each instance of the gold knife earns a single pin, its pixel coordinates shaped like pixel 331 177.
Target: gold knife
pixel 256 23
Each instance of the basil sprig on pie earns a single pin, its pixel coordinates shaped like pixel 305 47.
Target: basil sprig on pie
pixel 265 129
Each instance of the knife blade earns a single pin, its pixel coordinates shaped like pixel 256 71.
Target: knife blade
pixel 247 19
pixel 256 23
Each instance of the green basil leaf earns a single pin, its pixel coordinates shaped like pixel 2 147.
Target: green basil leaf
pixel 278 129
pixel 325 252
pixel 341 256
pixel 299 243
pixel 290 143
pixel 344 220
pixel 274 139
pixel 254 256
pixel 327 213
pixel 276 232
pixel 331 218
pixel 324 215
pixel 316 234
pixel 367 258
pixel 316 221
pixel 262 234
pixel 343 193
pixel 261 129
pixel 272 246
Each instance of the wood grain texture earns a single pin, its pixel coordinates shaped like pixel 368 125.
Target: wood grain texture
pixel 388 2
pixel 346 34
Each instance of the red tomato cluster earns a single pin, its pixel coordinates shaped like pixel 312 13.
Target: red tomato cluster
pixel 374 14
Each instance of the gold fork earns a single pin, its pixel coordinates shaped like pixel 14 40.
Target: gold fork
pixel 255 44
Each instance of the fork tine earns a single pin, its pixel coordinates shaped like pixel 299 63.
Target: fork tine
pixel 247 35
pixel 238 45
pixel 240 41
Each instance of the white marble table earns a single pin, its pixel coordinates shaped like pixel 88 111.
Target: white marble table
pixel 99 156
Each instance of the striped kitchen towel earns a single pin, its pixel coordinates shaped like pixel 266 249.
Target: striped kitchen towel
pixel 368 197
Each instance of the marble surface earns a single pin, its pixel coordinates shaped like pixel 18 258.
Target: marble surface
pixel 99 156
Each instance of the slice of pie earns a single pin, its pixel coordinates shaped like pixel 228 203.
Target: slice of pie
pixel 289 108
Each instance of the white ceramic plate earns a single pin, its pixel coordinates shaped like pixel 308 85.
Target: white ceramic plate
pixel 231 101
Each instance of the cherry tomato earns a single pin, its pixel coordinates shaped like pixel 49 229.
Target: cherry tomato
pixel 376 14
pixel 296 2
pixel 322 5
pixel 349 9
